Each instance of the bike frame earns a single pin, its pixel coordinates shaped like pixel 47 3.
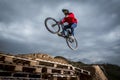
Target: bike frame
pixel 68 31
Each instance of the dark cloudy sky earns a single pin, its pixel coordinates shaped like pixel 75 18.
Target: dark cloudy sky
pixel 22 29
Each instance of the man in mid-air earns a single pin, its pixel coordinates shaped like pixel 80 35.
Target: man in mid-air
pixel 71 20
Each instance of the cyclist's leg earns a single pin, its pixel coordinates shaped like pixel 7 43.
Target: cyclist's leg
pixel 74 25
pixel 65 27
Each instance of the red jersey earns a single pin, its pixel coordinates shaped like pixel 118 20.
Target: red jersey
pixel 69 19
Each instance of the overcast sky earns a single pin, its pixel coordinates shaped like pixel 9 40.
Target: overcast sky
pixel 22 29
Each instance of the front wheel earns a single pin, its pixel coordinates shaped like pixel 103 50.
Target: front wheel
pixel 72 43
pixel 52 25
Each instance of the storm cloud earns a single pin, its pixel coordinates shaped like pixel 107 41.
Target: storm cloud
pixel 22 29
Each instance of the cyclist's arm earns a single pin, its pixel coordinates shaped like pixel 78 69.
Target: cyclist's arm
pixel 62 21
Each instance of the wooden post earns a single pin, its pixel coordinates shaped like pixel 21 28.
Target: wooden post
pixel 62 72
pixel 54 78
pixel 49 70
pixel 9 59
pixel 68 78
pixel 38 70
pixel 33 63
pixel 18 68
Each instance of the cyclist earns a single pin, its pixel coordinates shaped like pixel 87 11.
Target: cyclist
pixel 71 20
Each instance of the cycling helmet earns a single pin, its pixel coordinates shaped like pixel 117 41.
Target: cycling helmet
pixel 66 11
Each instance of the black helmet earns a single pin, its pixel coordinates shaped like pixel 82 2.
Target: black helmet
pixel 65 10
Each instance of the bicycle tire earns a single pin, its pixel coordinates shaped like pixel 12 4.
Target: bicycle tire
pixel 70 46
pixel 50 26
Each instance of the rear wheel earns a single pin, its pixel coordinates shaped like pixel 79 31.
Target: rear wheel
pixel 72 43
pixel 49 22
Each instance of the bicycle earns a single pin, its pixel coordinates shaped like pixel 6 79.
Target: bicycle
pixel 54 27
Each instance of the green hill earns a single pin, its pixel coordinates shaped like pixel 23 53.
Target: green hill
pixel 112 71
